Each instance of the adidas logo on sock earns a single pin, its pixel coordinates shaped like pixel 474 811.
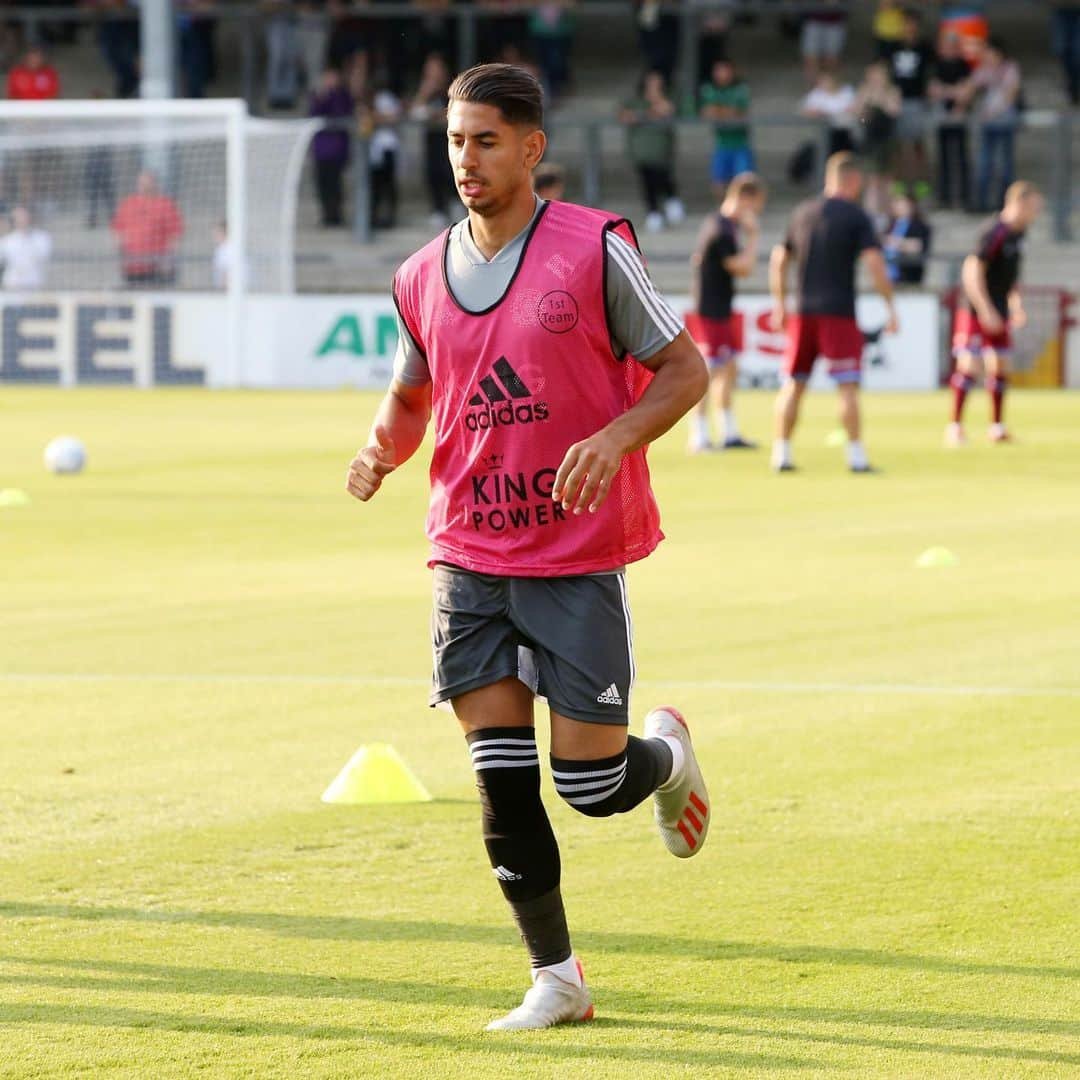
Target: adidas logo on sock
pixel 610 696
pixel 505 875
pixel 503 399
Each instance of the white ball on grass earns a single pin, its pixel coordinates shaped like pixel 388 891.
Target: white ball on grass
pixel 65 454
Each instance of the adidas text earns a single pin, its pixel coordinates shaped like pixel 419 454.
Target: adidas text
pixel 502 400
pixel 610 696
pixel 505 875
pixel 505 415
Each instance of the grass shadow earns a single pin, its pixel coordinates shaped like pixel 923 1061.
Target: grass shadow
pixel 544 1045
pixel 358 928
pixel 237 984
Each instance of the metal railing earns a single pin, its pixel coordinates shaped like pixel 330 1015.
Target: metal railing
pixel 1057 181
pixel 465 16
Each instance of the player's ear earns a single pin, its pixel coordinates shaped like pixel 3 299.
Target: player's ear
pixel 534 144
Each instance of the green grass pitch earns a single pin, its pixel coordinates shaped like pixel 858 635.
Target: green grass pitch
pixel 199 631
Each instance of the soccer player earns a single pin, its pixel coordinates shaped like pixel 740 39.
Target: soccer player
pixel 826 239
pixel 718 260
pixel 532 334
pixel 990 306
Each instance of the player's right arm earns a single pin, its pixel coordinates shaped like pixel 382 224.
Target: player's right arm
pixel 400 422
pixel 740 264
pixel 396 434
pixel 973 278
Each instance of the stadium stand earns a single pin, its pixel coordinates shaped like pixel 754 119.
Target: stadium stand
pixel 271 55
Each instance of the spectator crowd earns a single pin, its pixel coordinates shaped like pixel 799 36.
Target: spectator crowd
pixel 934 113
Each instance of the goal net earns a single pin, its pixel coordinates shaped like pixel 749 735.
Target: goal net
pixel 164 195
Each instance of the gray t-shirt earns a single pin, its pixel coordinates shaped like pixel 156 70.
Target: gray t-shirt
pixel 642 321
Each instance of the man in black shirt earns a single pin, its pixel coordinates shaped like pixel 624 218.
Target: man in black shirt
pixel 990 305
pixel 909 65
pixel 826 239
pixel 947 88
pixel 718 260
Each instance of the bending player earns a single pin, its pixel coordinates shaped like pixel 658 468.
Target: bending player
pixel 716 263
pixel 529 331
pixel 990 306
pixel 826 239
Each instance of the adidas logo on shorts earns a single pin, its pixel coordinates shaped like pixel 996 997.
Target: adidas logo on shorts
pixel 502 400
pixel 610 696
pixel 505 875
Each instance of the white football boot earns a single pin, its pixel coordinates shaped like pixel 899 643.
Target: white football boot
pixel 549 1001
pixel 681 806
pixel 954 436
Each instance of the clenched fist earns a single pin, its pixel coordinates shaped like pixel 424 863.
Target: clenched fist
pixel 367 469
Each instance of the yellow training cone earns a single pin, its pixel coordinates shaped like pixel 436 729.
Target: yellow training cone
pixel 14 497
pixel 375 774
pixel 934 557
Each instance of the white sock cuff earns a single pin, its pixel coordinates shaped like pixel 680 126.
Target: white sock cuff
pixel 568 970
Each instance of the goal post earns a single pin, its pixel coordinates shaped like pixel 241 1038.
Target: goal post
pixel 164 197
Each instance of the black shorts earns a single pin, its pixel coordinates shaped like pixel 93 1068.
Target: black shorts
pixel 569 639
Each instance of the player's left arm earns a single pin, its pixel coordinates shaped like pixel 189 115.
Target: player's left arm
pixel 879 275
pixel 1017 313
pixel 679 382
pixel 644 325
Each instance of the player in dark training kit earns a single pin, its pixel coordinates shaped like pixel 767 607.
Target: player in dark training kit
pixel 826 239
pixel 990 307
pixel 533 339
pixel 727 249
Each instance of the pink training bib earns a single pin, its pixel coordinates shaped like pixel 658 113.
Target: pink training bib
pixel 512 388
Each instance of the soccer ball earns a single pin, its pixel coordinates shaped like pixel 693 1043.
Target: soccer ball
pixel 65 454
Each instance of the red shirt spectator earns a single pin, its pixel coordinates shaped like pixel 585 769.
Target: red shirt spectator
pixel 148 225
pixel 33 79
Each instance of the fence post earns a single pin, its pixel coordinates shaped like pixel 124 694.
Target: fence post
pixel 1062 178
pixel 249 25
pixel 689 35
pixel 361 168
pixel 592 134
pixel 821 158
pixel 466 37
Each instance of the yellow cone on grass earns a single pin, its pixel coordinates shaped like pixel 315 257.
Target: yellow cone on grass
pixel 14 497
pixel 935 557
pixel 376 774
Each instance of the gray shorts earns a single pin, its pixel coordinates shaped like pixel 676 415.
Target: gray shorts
pixel 569 639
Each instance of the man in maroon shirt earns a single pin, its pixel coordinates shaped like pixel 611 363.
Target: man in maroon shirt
pixel 990 305
pixel 826 239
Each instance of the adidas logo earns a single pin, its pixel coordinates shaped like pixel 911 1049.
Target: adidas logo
pixel 505 875
pixel 610 696
pixel 503 399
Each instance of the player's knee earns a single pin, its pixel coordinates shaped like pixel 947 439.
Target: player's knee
pixel 592 788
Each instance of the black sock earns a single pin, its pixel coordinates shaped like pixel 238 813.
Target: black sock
pixel 520 843
pixel 615 784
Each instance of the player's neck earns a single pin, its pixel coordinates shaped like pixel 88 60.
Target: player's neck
pixel 491 234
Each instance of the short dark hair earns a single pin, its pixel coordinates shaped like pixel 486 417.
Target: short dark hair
pixel 512 90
